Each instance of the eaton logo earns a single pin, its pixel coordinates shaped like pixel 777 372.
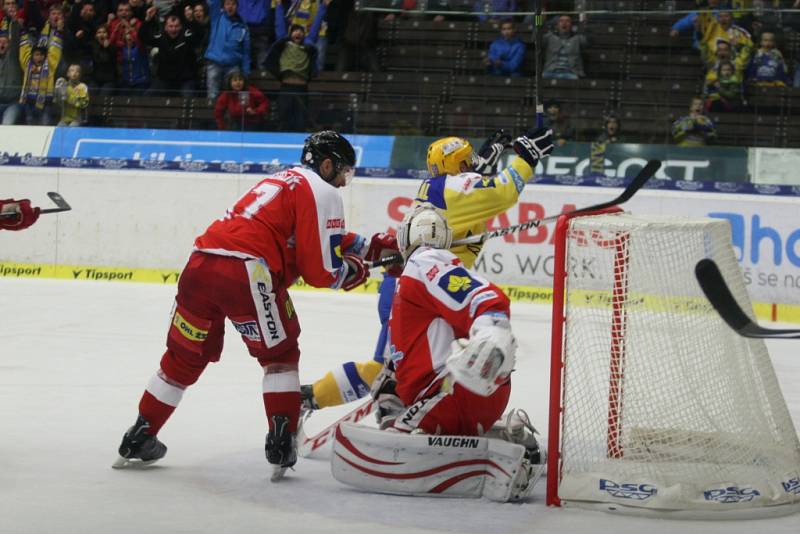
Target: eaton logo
pixel 792 486
pixel 634 491
pixel 756 236
pixel 731 495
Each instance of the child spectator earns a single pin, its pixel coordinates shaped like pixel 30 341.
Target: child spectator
pixel 134 68
pixel 39 65
pixel 694 129
pixel 293 61
pixel 723 90
pixel 562 50
pixel 228 45
pixel 73 97
pixel 10 74
pixel 311 15
pixel 506 53
pixel 103 75
pixel 767 68
pixel 241 106
pixel 558 121
pixel 609 135
pixel 176 70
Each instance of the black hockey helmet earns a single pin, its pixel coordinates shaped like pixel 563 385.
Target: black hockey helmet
pixel 328 144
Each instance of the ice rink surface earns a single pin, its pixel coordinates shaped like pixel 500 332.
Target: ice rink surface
pixel 74 360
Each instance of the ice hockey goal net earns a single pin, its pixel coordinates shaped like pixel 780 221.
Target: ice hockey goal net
pixel 656 406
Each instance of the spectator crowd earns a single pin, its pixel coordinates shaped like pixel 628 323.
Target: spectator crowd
pixel 56 55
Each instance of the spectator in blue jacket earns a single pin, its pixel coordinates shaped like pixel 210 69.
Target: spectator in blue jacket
pixel 506 53
pixel 228 45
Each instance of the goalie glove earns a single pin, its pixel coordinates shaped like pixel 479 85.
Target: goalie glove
pixel 484 362
pixel 357 271
pixel 534 146
pixel 490 152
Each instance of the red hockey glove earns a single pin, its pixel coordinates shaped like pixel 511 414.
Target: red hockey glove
pixel 357 271
pixel 25 214
pixel 382 245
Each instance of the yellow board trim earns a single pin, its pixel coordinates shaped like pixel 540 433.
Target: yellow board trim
pixel 787 313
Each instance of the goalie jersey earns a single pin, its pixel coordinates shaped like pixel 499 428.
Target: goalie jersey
pixel 436 302
pixel 470 200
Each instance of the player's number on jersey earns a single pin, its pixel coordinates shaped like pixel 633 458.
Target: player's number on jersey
pixel 264 194
pixel 422 193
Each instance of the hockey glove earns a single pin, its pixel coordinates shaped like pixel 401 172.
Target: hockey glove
pixel 357 271
pixel 490 152
pixel 25 215
pixel 534 146
pixel 382 245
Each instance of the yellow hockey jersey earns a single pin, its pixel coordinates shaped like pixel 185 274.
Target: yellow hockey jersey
pixel 470 200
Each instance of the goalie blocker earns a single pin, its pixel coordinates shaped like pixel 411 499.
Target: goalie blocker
pixel 434 466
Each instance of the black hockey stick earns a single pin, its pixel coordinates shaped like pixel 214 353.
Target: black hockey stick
pixel 644 175
pixel 713 285
pixel 57 199
pixel 388 260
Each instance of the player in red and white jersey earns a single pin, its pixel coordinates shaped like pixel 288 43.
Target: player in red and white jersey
pixel 440 303
pixel 290 224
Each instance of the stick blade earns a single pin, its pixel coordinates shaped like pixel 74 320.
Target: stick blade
pixel 59 201
pixel 716 290
pixel 719 295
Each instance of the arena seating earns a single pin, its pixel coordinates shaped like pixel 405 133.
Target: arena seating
pixel 434 83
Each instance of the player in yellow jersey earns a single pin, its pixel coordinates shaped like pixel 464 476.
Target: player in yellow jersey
pixel 462 184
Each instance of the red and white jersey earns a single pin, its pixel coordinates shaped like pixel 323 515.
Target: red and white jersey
pixel 295 221
pixel 436 302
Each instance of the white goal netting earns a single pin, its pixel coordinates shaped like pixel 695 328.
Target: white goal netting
pixel 664 407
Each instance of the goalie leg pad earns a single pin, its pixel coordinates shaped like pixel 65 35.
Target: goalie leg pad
pixel 421 464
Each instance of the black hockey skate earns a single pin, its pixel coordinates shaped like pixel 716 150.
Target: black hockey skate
pixel 281 447
pixel 139 449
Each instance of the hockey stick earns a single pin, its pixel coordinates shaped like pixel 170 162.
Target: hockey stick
pixel 306 446
pixel 713 285
pixel 388 260
pixel 57 199
pixel 644 175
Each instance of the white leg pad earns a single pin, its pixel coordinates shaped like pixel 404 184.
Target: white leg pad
pixel 420 464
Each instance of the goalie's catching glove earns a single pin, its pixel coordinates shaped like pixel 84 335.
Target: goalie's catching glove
pixel 490 152
pixel 534 146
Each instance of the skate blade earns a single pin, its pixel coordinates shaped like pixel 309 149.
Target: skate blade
pixel 278 473
pixel 128 463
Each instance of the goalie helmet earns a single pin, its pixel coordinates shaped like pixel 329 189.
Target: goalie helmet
pixel 484 362
pixel 424 225
pixel 328 144
pixel 446 155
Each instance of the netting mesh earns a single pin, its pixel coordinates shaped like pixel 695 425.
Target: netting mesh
pixel 664 406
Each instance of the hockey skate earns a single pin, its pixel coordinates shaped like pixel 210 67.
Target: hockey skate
pixel 139 449
pixel 281 447
pixel 517 428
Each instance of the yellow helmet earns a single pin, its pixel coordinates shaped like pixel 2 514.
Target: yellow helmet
pixel 446 155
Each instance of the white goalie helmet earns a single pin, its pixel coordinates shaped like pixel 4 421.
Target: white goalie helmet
pixel 484 362
pixel 424 225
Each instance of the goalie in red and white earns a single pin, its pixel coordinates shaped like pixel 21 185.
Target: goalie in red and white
pixel 450 375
